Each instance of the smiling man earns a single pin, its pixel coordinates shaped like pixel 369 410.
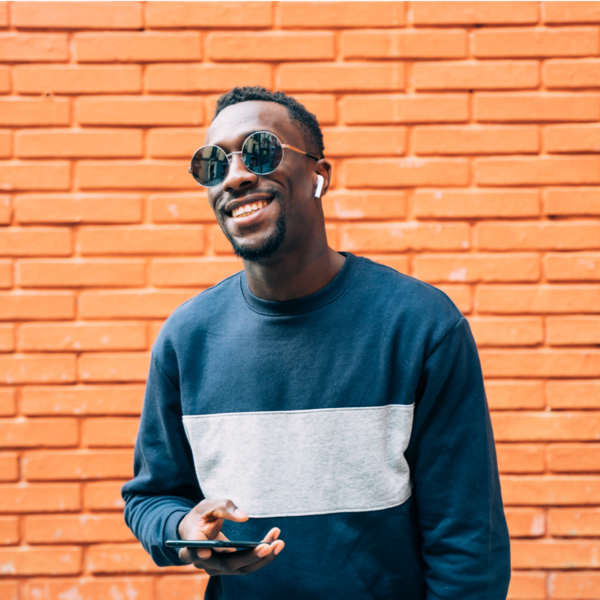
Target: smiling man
pixel 315 394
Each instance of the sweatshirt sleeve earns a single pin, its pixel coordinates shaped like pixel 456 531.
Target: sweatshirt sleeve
pixel 465 543
pixel 165 486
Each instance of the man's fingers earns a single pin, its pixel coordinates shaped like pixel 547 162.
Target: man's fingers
pixel 191 555
pixel 223 509
pixel 272 535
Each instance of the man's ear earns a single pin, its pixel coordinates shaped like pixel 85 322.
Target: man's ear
pixel 320 183
pixel 323 178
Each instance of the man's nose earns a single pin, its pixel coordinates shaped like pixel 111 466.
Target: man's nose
pixel 239 175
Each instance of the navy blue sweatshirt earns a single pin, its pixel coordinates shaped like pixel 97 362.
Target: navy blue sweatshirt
pixel 354 419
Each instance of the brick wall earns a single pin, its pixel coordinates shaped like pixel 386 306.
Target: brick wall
pixel 465 140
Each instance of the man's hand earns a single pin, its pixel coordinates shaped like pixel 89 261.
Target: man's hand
pixel 204 522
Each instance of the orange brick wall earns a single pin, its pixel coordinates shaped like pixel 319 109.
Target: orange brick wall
pixel 465 140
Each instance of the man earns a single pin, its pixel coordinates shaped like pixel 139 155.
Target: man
pixel 317 394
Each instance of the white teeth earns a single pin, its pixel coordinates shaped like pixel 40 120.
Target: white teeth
pixel 247 208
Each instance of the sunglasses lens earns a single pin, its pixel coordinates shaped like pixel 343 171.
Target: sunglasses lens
pixel 210 166
pixel 262 153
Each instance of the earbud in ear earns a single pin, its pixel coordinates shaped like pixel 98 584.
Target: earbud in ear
pixel 320 183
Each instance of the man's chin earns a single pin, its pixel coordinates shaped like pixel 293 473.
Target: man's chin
pixel 256 250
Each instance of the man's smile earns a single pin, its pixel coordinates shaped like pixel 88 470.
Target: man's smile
pixel 248 210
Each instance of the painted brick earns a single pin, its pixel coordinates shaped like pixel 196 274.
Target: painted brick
pixel 573 331
pixel 574 458
pixel 553 554
pixel 572 202
pixel 504 331
pixel 459 294
pixel 30 175
pixel 536 363
pixel 78 465
pixel 137 47
pixel 218 242
pixel 82 400
pixel 7 338
pixel 335 77
pixel 101 367
pixel 76 529
pixel 527 586
pixel 209 14
pixel 475 13
pixel 119 558
pixel 4 14
pixel 550 490
pixel 574 522
pixel 9 589
pixel 73 79
pixel 107 432
pixel 271 46
pixel 180 208
pixel 75 15
pixel 364 141
pixel 9 535
pixel 196 272
pixel 341 14
pixel 82 337
pixel 571 73
pixel 355 205
pixel 323 106
pixel 583 586
pixel 571 12
pixel 33 47
pixel 34 433
pixel 15 369
pixel 409 108
pixel 525 522
pixel 546 426
pixel 398 263
pixel 78 208
pixel 6 268
pixel 9 470
pixel 5 209
pixel 405 44
pixel 521 458
pixel 41 561
pixel 139 111
pixel 506 395
pixel 29 112
pixel 5 144
pixel 573 394
pixel 529 43
pixel 35 305
pixel 174 143
pixel 572 138
pixel 175 587
pixel 39 498
pixel 5 80
pixel 89 588
pixel 103 496
pixel 500 108
pixel 474 203
pixel 7 402
pixel 84 143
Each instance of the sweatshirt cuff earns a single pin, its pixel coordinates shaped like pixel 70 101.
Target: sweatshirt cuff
pixel 172 525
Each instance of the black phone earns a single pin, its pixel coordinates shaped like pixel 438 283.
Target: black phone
pixel 211 544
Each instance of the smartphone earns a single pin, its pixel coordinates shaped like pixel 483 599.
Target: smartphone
pixel 211 544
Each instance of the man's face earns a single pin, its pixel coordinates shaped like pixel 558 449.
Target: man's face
pixel 282 207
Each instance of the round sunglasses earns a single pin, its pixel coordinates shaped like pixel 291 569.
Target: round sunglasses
pixel 262 153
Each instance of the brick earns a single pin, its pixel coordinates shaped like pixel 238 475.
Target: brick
pixel 9 535
pixel 107 432
pixel 364 141
pixel 76 529
pixel 106 588
pixel 33 47
pixel 574 458
pixel 9 589
pixel 534 107
pixel 81 273
pixel 408 172
pixel 34 433
pixel 530 43
pixel 503 331
pixel 5 80
pixel 398 237
pixel 337 77
pixel 217 241
pixel 36 305
pixel 30 175
pixel 572 202
pixel 537 171
pixel 83 400
pixel 134 175
pixel 174 143
pixel 78 208
pixel 341 14
pixel 546 426
pixel 7 338
pixel 77 15
pixel 398 263
pixel 460 295
pixel 525 522
pixel 583 586
pixel 9 470
pixel 28 112
pixel 44 498
pixel 355 205
pixel 409 108
pixel 78 465
pixel 571 12
pixel 41 561
pixel 82 337
pixel 5 144
pixel 103 496
pixel 521 458
pixel 142 240
pixel 149 46
pixel 7 402
pixel 465 75
pixel 209 14
pixel 474 203
pixel 554 555
pixel 532 363
pixel 176 587
pixel 572 138
pixel 139 111
pixel 571 73
pixel 271 46
pixel 155 328
pixel 404 44
pixel 74 79
pixel 476 140
pixel 121 558
pixel 573 394
pixel 84 143
pixel 149 304
pixel 477 267
pixel 181 208
pixel 104 367
pixel 35 241
pixel 574 522
pixel 197 272
pixel 527 586
pixel 550 490
pixel 3 14
pixel 573 331
pixel 37 369
pixel 475 13
pixel 6 268
pixel 205 78
pixel 323 106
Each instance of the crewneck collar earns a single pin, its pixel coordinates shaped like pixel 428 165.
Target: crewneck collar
pixel 324 296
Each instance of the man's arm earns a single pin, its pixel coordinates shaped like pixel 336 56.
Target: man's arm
pixel 452 457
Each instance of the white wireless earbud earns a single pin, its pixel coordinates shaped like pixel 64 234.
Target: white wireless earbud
pixel 320 183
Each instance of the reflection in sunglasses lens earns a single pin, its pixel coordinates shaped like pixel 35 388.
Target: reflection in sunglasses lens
pixel 210 165
pixel 262 153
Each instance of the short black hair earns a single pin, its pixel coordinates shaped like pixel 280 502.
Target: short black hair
pixel 305 120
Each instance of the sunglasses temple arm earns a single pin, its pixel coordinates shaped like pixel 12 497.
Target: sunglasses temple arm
pixel 298 150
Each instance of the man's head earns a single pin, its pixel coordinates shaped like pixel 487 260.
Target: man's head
pixel 282 214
